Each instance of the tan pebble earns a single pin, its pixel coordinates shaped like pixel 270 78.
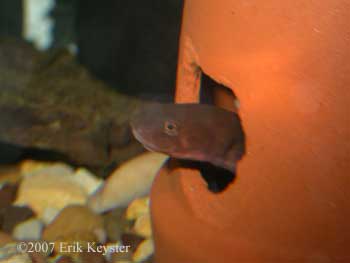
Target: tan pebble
pixel 49 214
pixel 137 208
pixel 87 180
pixel 31 167
pixel 41 191
pixel 131 180
pixel 143 227
pixel 17 258
pixel 76 223
pixel 28 230
pixel 10 254
pixel 143 251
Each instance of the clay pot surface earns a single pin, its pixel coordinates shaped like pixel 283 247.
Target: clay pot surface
pixel 288 62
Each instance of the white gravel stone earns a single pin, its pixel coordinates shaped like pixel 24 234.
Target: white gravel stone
pixel 28 230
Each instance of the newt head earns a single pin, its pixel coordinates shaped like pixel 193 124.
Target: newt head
pixel 191 131
pixel 161 128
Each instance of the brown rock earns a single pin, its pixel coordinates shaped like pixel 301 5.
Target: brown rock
pixel 91 257
pixel 64 259
pixel 132 240
pixel 5 239
pixel 150 259
pixel 12 215
pixel 144 251
pixel 76 223
pixel 118 253
pixel 9 174
pixel 37 258
pixel 7 195
pixel 121 257
pixel 116 223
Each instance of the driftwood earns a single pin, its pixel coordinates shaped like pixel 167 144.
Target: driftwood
pixel 50 102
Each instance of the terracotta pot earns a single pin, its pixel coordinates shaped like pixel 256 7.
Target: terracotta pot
pixel 288 62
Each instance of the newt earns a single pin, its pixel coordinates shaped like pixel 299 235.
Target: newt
pixel 198 132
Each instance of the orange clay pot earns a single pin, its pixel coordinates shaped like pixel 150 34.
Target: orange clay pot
pixel 288 62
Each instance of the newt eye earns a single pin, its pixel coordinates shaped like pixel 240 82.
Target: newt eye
pixel 170 128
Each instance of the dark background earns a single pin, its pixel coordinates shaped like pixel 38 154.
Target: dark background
pixel 132 45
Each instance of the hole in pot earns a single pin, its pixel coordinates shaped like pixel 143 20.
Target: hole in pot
pixel 217 178
pixel 215 93
pixel 212 92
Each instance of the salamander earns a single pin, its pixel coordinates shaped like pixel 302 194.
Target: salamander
pixel 195 132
